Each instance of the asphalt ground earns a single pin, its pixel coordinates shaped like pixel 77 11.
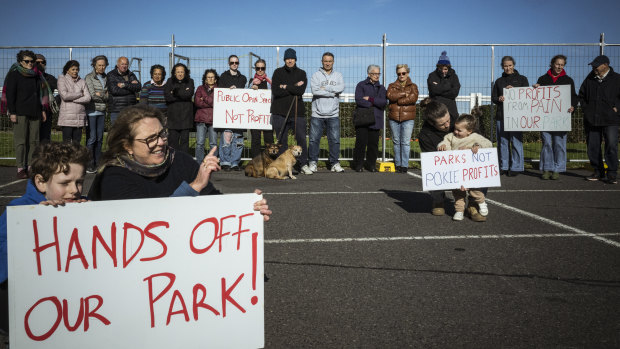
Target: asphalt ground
pixel 356 260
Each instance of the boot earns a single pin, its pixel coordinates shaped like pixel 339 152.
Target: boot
pixel 438 209
pixel 472 212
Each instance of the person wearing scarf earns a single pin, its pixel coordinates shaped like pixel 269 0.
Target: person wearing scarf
pixel 553 151
pixel 203 103
pixel 260 81
pixel 25 97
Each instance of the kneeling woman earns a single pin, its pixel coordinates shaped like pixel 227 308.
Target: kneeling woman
pixel 139 163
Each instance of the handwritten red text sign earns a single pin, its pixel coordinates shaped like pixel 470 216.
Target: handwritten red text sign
pixel 155 273
pixel 537 109
pixel 242 109
pixel 444 170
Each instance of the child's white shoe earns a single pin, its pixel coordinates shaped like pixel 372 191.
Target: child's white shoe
pixel 458 216
pixel 483 209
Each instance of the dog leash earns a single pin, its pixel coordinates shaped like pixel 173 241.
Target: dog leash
pixel 288 113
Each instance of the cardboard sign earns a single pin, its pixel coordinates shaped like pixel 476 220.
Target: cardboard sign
pixel 537 109
pixel 242 109
pixel 442 170
pixel 181 272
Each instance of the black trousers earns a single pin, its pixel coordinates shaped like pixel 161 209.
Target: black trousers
pixel 595 135
pixel 256 140
pixel 71 134
pixel 45 130
pixel 366 142
pixel 299 126
pixel 179 139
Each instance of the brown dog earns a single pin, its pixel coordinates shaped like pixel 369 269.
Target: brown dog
pixel 256 167
pixel 283 165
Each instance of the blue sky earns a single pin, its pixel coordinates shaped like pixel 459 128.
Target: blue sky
pixel 63 22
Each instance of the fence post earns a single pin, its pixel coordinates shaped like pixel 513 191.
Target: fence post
pixel 492 83
pixel 171 62
pixel 602 43
pixel 383 45
pixel 70 53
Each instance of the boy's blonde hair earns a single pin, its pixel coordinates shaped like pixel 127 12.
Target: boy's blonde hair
pixel 49 159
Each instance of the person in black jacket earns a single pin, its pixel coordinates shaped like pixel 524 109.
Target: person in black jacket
pixel 260 81
pixel 45 131
pixel 231 144
pixel 553 151
pixel 444 85
pixel 288 87
pixel 509 165
pixel 599 97
pixel 178 92
pixel 123 85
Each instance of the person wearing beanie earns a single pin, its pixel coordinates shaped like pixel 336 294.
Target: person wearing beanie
pixel 599 96
pixel 287 106
pixel 444 85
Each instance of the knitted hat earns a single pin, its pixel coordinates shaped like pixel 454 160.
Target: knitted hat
pixel 290 53
pixel 443 59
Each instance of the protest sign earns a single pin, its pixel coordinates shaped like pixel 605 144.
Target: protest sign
pixel 181 272
pixel 241 109
pixel 442 170
pixel 537 109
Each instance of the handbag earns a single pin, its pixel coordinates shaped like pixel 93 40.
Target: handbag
pixel 363 117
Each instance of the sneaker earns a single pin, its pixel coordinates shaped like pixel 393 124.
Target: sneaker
pixel 475 216
pixel 312 166
pixel 235 168
pixel 337 168
pixel 612 180
pixel 22 174
pixel 555 176
pixel 305 170
pixel 594 177
pixel 91 169
pixel 458 216
pixel 484 209
pixel 226 167
pixel 546 175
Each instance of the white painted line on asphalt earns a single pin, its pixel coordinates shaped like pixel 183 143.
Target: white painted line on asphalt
pixel 434 237
pixel 545 220
pixel 11 183
pixel 422 191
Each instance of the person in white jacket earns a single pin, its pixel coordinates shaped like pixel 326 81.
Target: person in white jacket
pixel 327 85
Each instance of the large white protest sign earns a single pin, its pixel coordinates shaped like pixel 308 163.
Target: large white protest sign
pixel 444 170
pixel 155 273
pixel 537 109
pixel 242 108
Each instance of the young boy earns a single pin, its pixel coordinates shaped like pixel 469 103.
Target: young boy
pixel 57 176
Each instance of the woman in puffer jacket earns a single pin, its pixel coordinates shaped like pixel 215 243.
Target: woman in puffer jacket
pixel 75 96
pixel 403 95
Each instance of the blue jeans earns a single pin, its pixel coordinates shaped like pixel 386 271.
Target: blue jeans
pixel 95 137
pixel 332 129
pixel 201 134
pixel 503 147
pixel 113 117
pixel 401 137
pixel 553 152
pixel 231 147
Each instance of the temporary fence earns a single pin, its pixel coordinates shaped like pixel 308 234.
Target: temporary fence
pixel 477 66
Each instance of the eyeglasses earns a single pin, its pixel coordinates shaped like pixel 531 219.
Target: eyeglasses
pixel 28 61
pixel 42 62
pixel 374 73
pixel 260 68
pixel 401 73
pixel 151 141
pixel 233 63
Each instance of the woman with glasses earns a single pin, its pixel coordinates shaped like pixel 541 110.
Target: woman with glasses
pixel 403 94
pixel 444 85
pixel 203 101
pixel 140 164
pixel 75 97
pixel 25 97
pixel 369 93
pixel 260 81
pixel 178 92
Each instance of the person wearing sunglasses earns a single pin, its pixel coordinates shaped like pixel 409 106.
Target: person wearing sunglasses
pixel 178 92
pixel 75 97
pixel 444 85
pixel 25 98
pixel 45 131
pixel 260 81
pixel 403 95
pixel 231 145
pixel 203 101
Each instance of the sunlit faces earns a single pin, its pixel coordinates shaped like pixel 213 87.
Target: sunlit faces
pixel 402 74
pixel 328 63
pixel 443 123
pixel 100 66
pixel 260 68
pixel 509 67
pixel 73 72
pixel 158 76
pixel 233 63
pixel 290 62
pixel 145 129
pixel 558 66
pixel 460 130
pixel 27 62
pixel 179 73
pixel 123 65
pixel 374 75
pixel 210 79
pixel 62 186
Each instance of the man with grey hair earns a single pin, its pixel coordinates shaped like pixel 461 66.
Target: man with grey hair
pixel 122 86
pixel 599 96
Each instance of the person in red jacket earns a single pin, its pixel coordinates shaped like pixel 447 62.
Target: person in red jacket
pixel 203 100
